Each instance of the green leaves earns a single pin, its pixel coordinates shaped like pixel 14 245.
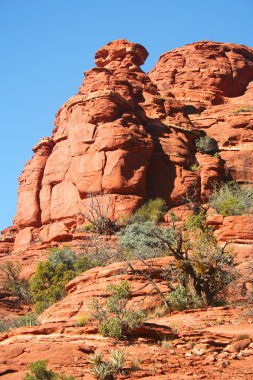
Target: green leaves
pixel 48 284
pixel 232 199
pixel 114 317
pixel 39 371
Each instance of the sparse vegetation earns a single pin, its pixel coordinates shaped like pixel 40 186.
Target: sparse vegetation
pixel 39 371
pixel 157 312
pixel 232 199
pixel 117 359
pixel 97 215
pixel 48 284
pixel 104 370
pixel 30 319
pixel 207 145
pixel 166 344
pixel 116 320
pixel 152 211
pixel 82 319
pixel 244 108
pixel 135 365
pixel 19 287
pixel 194 168
pixel 202 267
pixel 100 251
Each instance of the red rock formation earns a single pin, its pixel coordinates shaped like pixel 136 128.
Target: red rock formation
pixel 132 135
pixel 112 137
pixel 214 81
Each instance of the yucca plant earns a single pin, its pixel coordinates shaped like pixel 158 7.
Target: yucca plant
pixel 117 359
pixel 96 359
pixel 102 371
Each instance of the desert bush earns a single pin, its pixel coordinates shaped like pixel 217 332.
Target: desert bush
pixel 156 312
pixel 180 299
pixel 202 266
pixel 206 145
pixel 19 287
pixel 232 199
pixel 196 222
pixel 29 319
pixel 97 214
pixel 39 371
pixel 144 240
pixel 48 284
pixel 152 211
pixel 115 319
pixel 82 319
pixel 102 371
pixel 102 252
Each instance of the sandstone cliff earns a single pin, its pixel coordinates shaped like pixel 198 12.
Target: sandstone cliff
pixel 132 135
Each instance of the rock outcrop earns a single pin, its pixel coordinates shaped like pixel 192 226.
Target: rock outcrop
pixel 214 82
pixel 114 137
pixel 126 137
pixel 131 135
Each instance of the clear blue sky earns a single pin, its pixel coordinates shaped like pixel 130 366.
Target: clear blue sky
pixel 47 44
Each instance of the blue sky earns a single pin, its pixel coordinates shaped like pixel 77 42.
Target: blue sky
pixel 46 45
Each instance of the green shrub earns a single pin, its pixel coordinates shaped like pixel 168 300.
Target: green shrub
pixel 206 145
pixel 19 287
pixel 194 168
pixel 231 199
pixel 181 299
pixel 39 371
pixel 195 222
pixel 88 228
pixel 102 371
pixel 115 319
pixel 152 211
pixel 143 240
pixel 201 266
pixel 48 284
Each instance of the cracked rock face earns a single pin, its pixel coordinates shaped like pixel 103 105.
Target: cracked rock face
pixel 131 135
pixel 214 81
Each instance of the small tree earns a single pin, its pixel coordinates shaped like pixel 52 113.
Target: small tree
pixel 202 267
pixel 115 319
pixel 48 284
pixel 207 145
pixel 19 287
pixel 97 214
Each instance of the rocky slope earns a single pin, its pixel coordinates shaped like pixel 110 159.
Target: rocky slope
pixel 128 136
